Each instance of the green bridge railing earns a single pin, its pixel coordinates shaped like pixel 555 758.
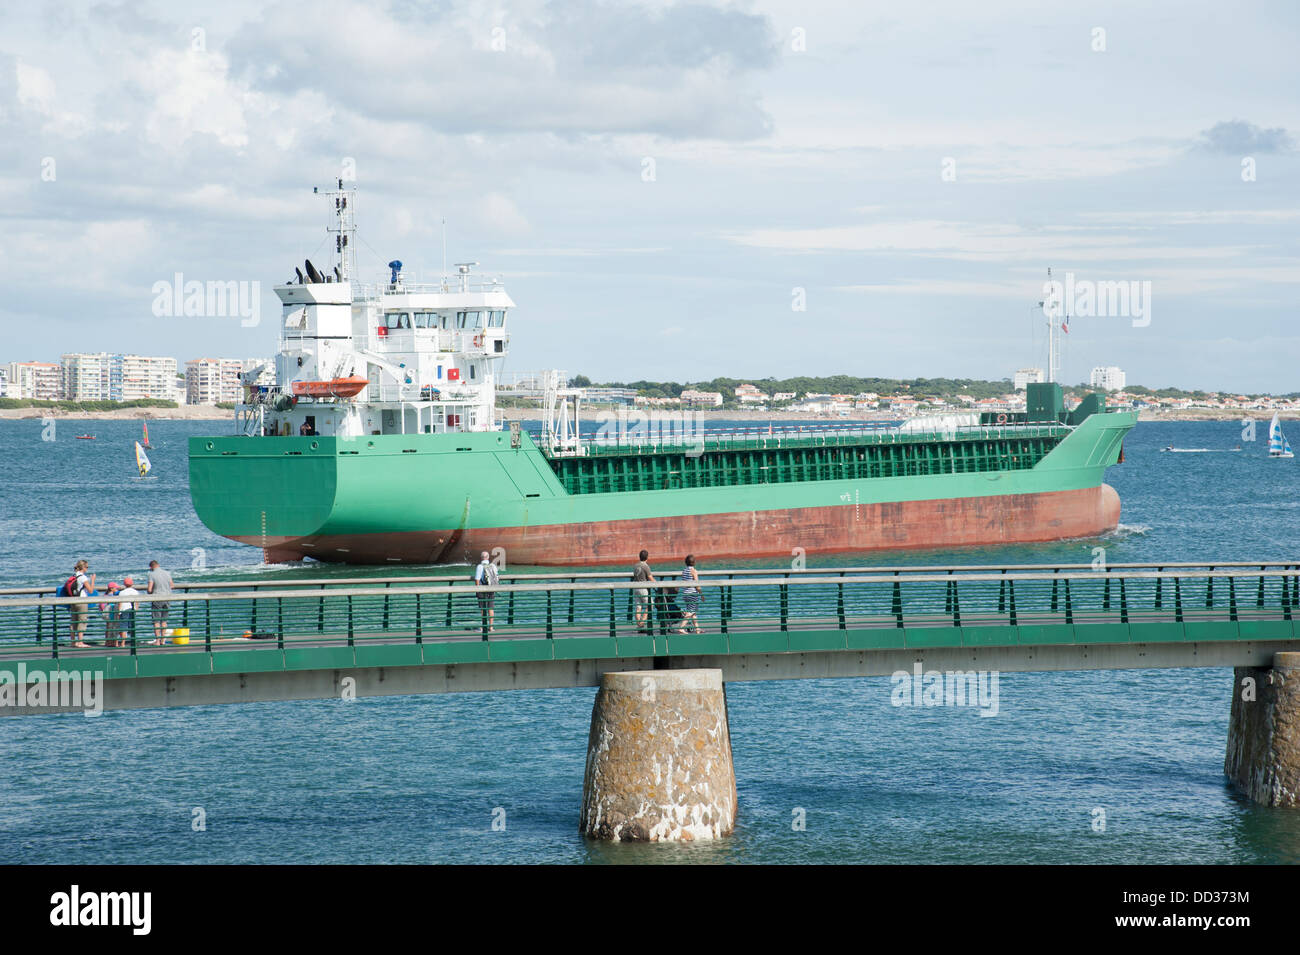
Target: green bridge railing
pixel 1167 602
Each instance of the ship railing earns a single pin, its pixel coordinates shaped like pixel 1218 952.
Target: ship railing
pixel 666 437
pixel 372 291
pixel 449 340
pixel 423 394
pixel 823 608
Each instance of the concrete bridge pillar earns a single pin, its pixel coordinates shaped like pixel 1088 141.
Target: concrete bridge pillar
pixel 1263 758
pixel 659 758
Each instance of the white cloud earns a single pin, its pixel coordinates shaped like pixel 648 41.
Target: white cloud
pixel 500 214
pixel 35 87
pixel 192 94
pixel 972 241
pixel 775 169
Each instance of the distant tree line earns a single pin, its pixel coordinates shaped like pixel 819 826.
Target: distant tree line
pixel 918 388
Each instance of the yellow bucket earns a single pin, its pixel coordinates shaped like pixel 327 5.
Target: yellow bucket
pixel 181 632
pixel 180 641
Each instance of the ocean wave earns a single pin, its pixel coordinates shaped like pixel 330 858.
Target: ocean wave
pixel 1122 531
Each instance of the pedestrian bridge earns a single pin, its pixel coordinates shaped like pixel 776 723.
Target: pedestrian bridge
pixel 317 638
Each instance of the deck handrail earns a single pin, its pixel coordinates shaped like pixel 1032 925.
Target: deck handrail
pixel 1266 600
pixel 911 572
pixel 674 585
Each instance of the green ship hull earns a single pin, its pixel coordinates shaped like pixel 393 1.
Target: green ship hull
pixel 444 498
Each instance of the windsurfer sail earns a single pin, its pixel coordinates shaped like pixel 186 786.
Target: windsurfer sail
pixel 142 460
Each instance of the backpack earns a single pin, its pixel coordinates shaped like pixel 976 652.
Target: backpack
pixel 493 578
pixel 68 588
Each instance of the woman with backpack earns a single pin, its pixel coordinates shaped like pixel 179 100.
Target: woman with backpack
pixel 487 578
pixel 79 585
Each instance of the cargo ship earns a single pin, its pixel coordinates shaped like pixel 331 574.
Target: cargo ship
pixel 379 441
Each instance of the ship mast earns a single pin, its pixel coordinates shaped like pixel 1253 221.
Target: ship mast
pixel 344 227
pixel 1053 308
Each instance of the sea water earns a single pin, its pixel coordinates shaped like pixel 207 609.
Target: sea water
pixel 1080 767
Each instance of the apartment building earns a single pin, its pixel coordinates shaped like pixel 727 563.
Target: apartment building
pixel 701 399
pixel 1108 378
pixel 34 379
pixel 136 377
pixel 210 381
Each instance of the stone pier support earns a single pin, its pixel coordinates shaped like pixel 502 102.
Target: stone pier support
pixel 659 758
pixel 1263 758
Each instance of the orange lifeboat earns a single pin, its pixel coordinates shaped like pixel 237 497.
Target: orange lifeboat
pixel 334 388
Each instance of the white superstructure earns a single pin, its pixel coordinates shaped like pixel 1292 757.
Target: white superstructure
pixel 391 358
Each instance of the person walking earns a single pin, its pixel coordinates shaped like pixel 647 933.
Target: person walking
pixel 83 586
pixel 160 585
pixel 487 579
pixel 690 596
pixel 641 573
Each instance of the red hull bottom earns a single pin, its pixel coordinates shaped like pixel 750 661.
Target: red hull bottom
pixel 903 525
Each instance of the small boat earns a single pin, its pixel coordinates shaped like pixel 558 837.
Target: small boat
pixel 142 460
pixel 144 442
pixel 333 388
pixel 85 437
pixel 1202 450
pixel 1278 446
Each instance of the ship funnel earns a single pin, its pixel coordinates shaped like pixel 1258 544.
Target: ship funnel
pixel 301 279
pixel 312 273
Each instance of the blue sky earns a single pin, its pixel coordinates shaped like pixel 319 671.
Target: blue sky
pixel 915 169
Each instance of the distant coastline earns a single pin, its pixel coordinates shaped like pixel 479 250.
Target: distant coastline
pixel 181 413
pixel 1190 414
pixel 209 413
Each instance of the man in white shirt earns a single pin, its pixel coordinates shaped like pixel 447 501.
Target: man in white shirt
pixel 127 609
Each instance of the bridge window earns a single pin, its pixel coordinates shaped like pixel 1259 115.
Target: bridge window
pixel 460 319
pixel 426 320
pixel 496 319
pixel 397 319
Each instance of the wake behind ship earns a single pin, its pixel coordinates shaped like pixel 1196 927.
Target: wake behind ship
pixel 380 442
